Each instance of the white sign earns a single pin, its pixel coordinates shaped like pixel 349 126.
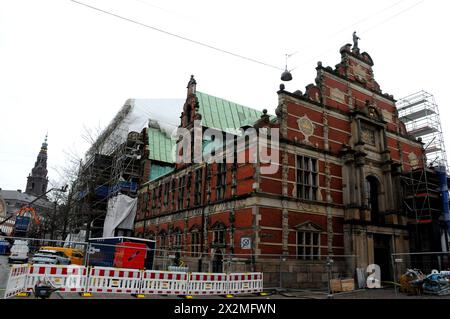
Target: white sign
pixel 246 243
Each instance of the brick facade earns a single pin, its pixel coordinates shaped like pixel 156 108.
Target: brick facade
pixel 337 140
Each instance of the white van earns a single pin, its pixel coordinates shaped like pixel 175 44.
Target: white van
pixel 19 252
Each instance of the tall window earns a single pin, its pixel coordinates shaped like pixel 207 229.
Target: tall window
pixel 188 189
pixel 162 240
pixel 177 238
pixel 308 245
pixel 221 180
pixel 173 189
pixel 198 187
pixel 145 204
pixel 307 178
pixel 166 194
pixel 158 196
pixel 153 197
pixel 372 191
pixel 195 243
pixel 219 235
pixel 181 186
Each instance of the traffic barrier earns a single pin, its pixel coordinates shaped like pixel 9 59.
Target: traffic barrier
pixel 114 280
pixel 73 278
pixel 67 278
pixel 16 281
pixel 207 284
pixel 240 283
pixel 164 282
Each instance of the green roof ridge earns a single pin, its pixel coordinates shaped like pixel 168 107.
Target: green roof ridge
pixel 222 114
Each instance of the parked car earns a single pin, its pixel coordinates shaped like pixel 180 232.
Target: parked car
pixel 76 255
pixel 47 259
pixel 52 257
pixel 19 252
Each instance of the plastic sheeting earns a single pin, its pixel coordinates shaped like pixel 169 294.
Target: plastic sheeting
pixel 120 214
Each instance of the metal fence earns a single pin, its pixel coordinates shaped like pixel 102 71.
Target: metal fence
pixel 281 272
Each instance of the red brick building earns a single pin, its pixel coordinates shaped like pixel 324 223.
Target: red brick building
pixel 337 191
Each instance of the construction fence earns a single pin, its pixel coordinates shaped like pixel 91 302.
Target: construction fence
pixel 322 274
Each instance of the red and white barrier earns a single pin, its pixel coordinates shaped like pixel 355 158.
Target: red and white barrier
pixel 207 284
pixel 240 283
pixel 114 280
pixel 164 282
pixel 17 280
pixel 73 278
pixel 68 278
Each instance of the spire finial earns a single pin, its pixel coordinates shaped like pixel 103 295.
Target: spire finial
pixel 44 145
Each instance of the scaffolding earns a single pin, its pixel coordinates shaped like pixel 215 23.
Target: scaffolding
pixel 420 114
pixel 126 171
pixel 112 166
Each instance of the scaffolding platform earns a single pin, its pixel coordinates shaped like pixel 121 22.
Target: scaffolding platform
pixel 420 114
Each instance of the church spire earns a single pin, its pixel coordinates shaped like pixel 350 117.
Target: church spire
pixel 37 181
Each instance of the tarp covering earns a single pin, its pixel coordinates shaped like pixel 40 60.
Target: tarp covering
pixel 121 213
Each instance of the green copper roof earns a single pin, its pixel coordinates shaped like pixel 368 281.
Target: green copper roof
pixel 225 115
pixel 160 145
pixel 157 171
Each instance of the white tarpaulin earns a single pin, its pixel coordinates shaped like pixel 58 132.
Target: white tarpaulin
pixel 121 213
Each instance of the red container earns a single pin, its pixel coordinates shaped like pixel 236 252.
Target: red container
pixel 130 255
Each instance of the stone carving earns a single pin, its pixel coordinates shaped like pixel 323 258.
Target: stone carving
pixel 306 126
pixel 368 135
pixel 360 73
pixel 413 160
pixel 337 95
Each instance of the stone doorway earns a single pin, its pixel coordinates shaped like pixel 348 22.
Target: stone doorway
pixel 382 255
pixel 217 263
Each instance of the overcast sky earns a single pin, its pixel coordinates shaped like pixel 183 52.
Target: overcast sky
pixel 64 66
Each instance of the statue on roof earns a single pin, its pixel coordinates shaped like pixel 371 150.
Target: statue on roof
pixel 355 42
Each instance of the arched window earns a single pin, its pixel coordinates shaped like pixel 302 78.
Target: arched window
pixel 372 198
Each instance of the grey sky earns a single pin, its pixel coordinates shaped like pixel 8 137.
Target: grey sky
pixel 64 66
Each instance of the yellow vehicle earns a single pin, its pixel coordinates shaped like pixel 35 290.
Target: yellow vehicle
pixel 76 255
